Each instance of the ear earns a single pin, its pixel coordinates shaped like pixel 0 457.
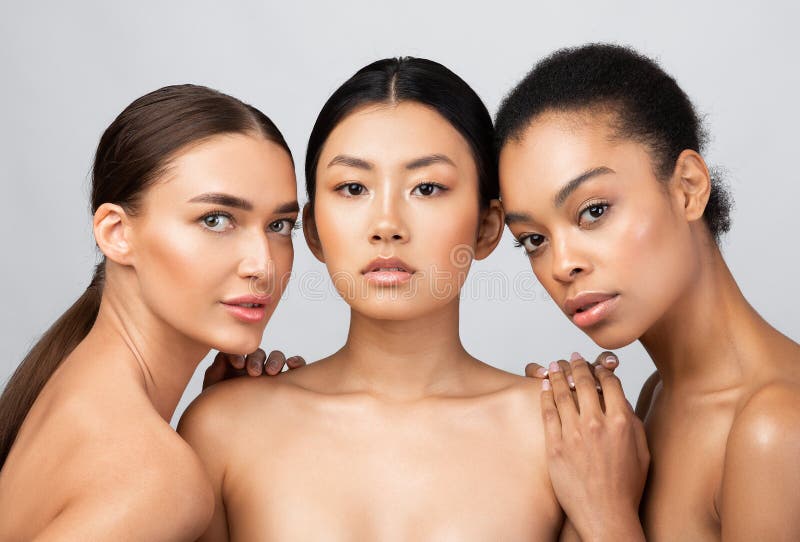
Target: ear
pixel 693 184
pixel 310 233
pixel 490 229
pixel 112 233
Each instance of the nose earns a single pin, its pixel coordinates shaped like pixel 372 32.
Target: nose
pixel 256 263
pixel 388 224
pixel 569 260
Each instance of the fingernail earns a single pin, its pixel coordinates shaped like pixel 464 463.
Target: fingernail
pixel 611 360
pixel 575 356
pixel 554 367
pixel 545 384
pixel 571 381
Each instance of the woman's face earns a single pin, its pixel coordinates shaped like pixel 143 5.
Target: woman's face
pixel 212 245
pixel 396 210
pixel 604 236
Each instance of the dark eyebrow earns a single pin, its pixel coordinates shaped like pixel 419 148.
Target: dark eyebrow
pixel 573 185
pixel 518 217
pixel 223 199
pixel 288 207
pixel 429 160
pixel 350 161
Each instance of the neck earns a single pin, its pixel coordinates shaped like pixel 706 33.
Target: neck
pixel 137 344
pixel 707 339
pixel 404 359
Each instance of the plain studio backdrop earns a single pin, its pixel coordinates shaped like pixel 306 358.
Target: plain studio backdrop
pixel 69 68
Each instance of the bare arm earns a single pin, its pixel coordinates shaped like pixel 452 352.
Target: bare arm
pixel 201 427
pixel 759 497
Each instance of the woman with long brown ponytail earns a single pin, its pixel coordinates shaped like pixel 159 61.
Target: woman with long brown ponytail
pixel 194 201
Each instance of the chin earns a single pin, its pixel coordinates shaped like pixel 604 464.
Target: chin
pixel 238 345
pixel 611 339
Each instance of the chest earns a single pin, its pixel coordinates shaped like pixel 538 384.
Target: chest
pixel 687 445
pixel 353 480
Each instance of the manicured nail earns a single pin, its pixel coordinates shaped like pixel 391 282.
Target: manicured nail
pixel 611 360
pixel 554 367
pixel 575 356
pixel 541 372
pixel 571 381
pixel 545 384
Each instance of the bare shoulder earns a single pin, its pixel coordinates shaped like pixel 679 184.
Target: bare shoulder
pixel 139 469
pixel 645 399
pixel 767 421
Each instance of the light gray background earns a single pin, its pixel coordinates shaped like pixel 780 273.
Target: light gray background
pixel 67 69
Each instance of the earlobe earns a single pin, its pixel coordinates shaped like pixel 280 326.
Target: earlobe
pixel 111 233
pixel 310 233
pixel 694 184
pixel 490 230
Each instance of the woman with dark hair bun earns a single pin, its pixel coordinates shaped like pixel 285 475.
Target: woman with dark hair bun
pixel 194 201
pixel 605 188
pixel 400 434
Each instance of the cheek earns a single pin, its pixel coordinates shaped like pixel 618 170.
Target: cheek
pixel 651 259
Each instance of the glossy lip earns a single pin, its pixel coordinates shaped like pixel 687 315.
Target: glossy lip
pixel 593 306
pixel 372 271
pixel 248 314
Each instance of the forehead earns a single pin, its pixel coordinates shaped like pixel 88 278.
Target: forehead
pixel 387 133
pixel 247 166
pixel 557 147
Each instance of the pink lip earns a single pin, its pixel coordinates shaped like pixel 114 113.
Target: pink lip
pixel 377 271
pixel 589 308
pixel 254 314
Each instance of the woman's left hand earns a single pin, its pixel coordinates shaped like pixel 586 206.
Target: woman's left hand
pixel 597 456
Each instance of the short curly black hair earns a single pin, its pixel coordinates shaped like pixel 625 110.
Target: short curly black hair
pixel 647 104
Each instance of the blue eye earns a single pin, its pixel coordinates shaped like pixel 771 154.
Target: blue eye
pixel 282 227
pixel 592 213
pixel 428 189
pixel 530 242
pixel 217 222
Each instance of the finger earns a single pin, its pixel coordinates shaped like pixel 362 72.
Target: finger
pixel 607 359
pixel 613 395
pixel 255 362
pixel 550 417
pixel 234 360
pixel 275 362
pixel 215 371
pixel 585 386
pixel 567 409
pixel 567 370
pixel 642 450
pixel 534 370
pixel 295 361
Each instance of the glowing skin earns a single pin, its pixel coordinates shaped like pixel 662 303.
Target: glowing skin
pixel 618 233
pixel 720 413
pixel 252 248
pixel 409 201
pixel 401 434
pixel 106 410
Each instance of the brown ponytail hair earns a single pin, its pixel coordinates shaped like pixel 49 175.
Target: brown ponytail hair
pixel 133 152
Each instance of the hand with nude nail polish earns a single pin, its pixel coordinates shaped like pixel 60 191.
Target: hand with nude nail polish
pixel 227 366
pixel 597 456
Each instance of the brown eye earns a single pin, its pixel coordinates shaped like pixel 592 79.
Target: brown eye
pixel 592 213
pixel 531 242
pixel 427 189
pixel 353 189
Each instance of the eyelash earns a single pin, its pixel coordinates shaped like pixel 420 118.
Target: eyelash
pixel 295 224
pixel 520 243
pixel 344 185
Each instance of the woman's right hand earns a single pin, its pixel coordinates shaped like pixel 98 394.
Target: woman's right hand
pixel 597 453
pixel 226 366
